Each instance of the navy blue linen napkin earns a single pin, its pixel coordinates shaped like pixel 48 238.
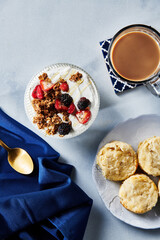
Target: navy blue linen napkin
pixel 118 85
pixel 44 205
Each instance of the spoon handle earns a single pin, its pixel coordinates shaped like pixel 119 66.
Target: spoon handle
pixel 4 145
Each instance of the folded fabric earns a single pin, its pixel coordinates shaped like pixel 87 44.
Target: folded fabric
pixel 118 85
pixel 44 205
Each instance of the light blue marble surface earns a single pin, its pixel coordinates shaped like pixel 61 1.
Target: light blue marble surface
pixel 37 33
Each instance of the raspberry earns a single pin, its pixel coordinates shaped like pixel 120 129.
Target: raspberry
pixel 71 108
pixel 83 103
pixel 64 128
pixel 66 99
pixel 59 106
pixel 34 93
pixel 64 87
pixel 37 92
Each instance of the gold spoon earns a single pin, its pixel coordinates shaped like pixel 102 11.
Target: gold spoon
pixel 19 159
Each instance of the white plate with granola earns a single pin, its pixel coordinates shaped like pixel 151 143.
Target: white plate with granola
pixel 62 101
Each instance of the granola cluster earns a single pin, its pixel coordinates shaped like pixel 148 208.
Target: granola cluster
pixel 44 76
pixel 76 77
pixel 53 104
pixel 46 115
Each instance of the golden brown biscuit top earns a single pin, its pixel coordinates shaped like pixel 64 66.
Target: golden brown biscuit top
pixel 117 160
pixel 149 155
pixel 138 193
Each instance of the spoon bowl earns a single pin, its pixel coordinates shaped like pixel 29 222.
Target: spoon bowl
pixel 19 159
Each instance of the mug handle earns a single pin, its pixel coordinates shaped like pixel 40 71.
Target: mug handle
pixel 154 87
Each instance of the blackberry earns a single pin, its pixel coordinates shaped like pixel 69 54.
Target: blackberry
pixel 66 99
pixel 64 128
pixel 83 103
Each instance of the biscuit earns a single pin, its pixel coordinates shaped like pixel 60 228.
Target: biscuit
pixel 117 160
pixel 159 187
pixel 138 193
pixel 149 155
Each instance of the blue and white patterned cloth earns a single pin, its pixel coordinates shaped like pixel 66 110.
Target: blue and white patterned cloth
pixel 118 84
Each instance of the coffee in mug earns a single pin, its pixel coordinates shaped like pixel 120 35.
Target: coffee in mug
pixel 135 56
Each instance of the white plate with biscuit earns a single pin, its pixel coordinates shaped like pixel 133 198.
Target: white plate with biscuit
pixel 132 131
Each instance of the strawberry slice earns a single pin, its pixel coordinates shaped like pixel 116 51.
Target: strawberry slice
pixel 59 106
pixel 72 109
pixel 40 94
pixel 64 87
pixel 37 92
pixel 34 93
pixel 83 116
pixel 45 85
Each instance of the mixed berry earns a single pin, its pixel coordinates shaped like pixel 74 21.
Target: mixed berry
pixel 83 116
pixel 66 99
pixel 64 128
pixel 51 99
pixel 83 103
pixel 64 87
pixel 37 92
